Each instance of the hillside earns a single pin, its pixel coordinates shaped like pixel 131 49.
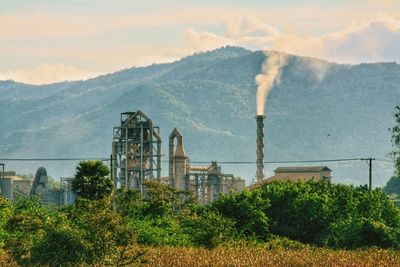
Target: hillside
pixel 320 110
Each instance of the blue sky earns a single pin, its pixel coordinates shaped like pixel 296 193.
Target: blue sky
pixel 49 41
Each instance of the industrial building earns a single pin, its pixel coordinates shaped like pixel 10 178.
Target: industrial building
pixel 204 182
pixel 303 173
pixel 136 151
pixel 136 157
pixel 14 187
pixel 296 174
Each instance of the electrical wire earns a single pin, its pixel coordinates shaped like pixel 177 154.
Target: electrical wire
pixel 191 161
pixel 52 159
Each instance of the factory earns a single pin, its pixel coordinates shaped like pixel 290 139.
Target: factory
pixel 14 187
pixel 136 157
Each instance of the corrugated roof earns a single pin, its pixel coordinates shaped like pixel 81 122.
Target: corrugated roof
pixel 303 169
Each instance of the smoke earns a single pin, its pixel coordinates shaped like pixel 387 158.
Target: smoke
pixel 270 74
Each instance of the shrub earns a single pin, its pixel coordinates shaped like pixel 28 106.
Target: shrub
pixel 248 212
pixel 208 228
pixel 360 232
pixel 335 215
pixel 160 231
pixel 6 210
pixel 300 211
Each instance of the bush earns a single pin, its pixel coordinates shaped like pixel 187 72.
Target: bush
pixel 164 200
pixel 361 232
pixel 335 215
pixel 61 246
pixel 104 231
pixel 208 228
pixel 248 212
pixel 300 211
pixel 161 231
pixel 26 227
pixel 6 210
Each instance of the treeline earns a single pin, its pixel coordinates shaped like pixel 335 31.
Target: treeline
pixel 110 228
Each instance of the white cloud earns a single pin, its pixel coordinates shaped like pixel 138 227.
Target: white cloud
pixel 245 25
pixel 46 73
pixel 374 40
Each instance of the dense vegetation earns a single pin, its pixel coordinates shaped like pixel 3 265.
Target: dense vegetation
pixel 393 185
pixel 118 227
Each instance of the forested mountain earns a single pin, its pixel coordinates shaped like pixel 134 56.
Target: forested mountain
pixel 319 110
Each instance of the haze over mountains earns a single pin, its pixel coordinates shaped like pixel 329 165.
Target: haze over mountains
pixel 319 110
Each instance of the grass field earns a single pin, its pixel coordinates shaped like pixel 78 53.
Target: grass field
pixel 258 256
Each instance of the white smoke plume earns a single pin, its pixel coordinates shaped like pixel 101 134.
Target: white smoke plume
pixel 270 74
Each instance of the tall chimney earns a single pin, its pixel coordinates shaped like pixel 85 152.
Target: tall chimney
pixel 260 147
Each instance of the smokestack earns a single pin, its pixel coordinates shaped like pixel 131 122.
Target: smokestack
pixel 260 147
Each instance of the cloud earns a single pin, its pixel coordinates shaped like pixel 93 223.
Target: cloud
pixel 90 45
pixel 373 40
pixel 46 73
pixel 245 25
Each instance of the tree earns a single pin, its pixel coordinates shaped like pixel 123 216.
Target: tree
pixel 91 180
pixel 395 131
pixel 393 186
pixel 247 209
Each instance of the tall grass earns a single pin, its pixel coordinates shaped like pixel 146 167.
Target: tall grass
pixel 260 256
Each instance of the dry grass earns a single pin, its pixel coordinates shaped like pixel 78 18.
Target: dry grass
pixel 252 255
pixel 259 256
pixel 5 259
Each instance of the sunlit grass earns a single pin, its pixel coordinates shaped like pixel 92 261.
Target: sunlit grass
pixel 259 256
pixel 6 260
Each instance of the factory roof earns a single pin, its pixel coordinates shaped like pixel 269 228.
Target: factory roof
pixel 303 169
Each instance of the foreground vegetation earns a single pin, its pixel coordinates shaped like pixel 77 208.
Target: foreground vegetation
pixel 254 255
pixel 283 223
pixel 259 256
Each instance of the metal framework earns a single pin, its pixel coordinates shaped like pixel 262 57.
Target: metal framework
pixel 67 195
pixel 207 183
pixel 2 172
pixel 136 151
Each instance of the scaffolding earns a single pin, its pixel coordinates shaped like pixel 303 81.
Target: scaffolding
pixel 136 151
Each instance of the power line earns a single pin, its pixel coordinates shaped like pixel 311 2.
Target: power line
pixel 282 162
pixel 52 159
pixel 194 161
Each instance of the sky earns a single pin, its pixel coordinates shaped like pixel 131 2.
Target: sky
pixel 51 41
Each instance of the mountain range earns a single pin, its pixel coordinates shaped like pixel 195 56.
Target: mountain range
pixel 318 110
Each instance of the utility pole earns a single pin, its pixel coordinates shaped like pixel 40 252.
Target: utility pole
pixel 370 171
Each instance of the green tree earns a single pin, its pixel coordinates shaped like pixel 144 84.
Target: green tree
pixel 163 200
pixel 6 210
pixel 393 186
pixel 247 210
pixel 105 233
pixel 395 131
pixel 91 180
pixel 26 227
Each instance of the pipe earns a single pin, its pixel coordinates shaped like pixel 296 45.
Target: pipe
pixel 260 147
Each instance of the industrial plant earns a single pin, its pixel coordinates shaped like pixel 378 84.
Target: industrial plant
pixel 136 158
